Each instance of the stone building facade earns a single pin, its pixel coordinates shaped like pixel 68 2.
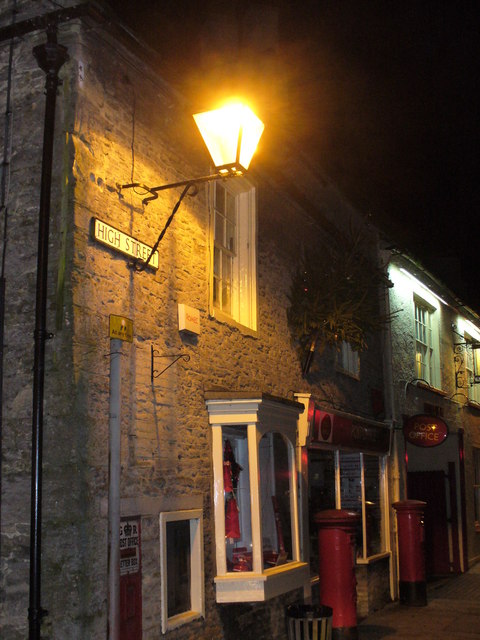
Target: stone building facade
pixel 118 122
pixel 435 390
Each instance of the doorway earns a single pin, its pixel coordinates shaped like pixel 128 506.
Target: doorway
pixel 430 486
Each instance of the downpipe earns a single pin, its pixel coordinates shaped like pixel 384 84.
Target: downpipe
pixel 50 58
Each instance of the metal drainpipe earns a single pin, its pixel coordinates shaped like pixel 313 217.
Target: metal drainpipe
pixel 114 472
pixel 50 58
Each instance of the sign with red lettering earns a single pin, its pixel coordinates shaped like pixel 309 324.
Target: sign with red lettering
pixel 425 431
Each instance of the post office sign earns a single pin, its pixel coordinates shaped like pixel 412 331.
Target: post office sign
pixel 425 431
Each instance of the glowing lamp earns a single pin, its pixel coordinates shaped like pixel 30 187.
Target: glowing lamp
pixel 231 135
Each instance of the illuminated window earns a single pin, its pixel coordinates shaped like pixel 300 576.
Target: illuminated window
pixel 356 482
pixel 472 368
pixel 476 485
pixel 426 343
pixel 349 360
pixel 181 564
pixel 233 279
pixel 255 496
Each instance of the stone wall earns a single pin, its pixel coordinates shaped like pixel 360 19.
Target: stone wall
pixel 117 121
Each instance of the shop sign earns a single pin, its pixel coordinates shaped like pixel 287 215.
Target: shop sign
pixel 123 243
pixel 350 433
pixel 425 431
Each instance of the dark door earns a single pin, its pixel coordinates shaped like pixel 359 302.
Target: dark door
pixel 429 486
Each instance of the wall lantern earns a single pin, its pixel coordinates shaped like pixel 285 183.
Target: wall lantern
pixel 231 135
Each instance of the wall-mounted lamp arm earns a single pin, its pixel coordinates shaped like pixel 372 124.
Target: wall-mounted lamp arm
pixel 222 174
pixel 143 265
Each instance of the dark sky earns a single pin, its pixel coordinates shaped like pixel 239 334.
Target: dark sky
pixel 383 95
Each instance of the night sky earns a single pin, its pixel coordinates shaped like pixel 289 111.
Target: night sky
pixel 382 95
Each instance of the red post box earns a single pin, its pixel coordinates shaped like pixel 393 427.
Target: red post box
pixel 411 552
pixel 338 586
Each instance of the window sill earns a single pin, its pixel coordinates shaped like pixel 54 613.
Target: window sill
pixel 224 318
pixel 374 558
pixel 182 618
pixel 428 387
pixel 348 374
pixel 259 587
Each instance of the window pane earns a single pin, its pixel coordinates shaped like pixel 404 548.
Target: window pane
pixel 226 282
pixel 230 237
pixel 217 256
pixel 275 500
pixel 321 483
pixel 351 489
pixel 219 229
pixel 178 567
pixel 373 511
pixel 476 486
pixel 230 213
pixel 236 484
pixel 350 359
pixel 220 197
pixel 216 292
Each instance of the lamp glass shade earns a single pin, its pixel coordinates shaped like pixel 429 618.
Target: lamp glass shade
pixel 231 134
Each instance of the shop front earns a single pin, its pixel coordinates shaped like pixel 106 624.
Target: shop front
pixel 434 456
pixel 348 469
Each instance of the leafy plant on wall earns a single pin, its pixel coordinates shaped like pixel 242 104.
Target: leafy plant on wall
pixel 335 295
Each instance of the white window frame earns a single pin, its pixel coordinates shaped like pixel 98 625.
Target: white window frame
pixel 476 486
pixel 363 557
pixel 428 342
pixel 244 269
pixel 197 597
pixel 258 415
pixel 472 368
pixel 348 360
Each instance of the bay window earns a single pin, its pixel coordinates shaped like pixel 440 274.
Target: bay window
pixel 255 496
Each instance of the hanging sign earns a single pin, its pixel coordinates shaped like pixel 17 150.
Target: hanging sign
pixel 121 242
pixel 425 431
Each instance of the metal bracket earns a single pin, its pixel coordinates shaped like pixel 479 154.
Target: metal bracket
pixel 176 357
pixel 461 350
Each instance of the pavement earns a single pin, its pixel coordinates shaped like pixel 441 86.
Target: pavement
pixel 452 612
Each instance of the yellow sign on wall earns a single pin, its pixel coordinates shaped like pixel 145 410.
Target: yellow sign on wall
pixel 121 328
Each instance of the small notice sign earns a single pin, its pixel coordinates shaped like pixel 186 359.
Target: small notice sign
pixel 129 546
pixel 121 328
pixel 123 243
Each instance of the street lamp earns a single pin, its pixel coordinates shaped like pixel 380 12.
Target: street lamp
pixel 231 135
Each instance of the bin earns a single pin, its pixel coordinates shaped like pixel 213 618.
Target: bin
pixel 308 622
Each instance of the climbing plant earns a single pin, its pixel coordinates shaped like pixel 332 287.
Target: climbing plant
pixel 335 295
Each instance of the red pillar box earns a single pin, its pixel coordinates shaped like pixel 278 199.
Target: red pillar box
pixel 336 548
pixel 411 552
